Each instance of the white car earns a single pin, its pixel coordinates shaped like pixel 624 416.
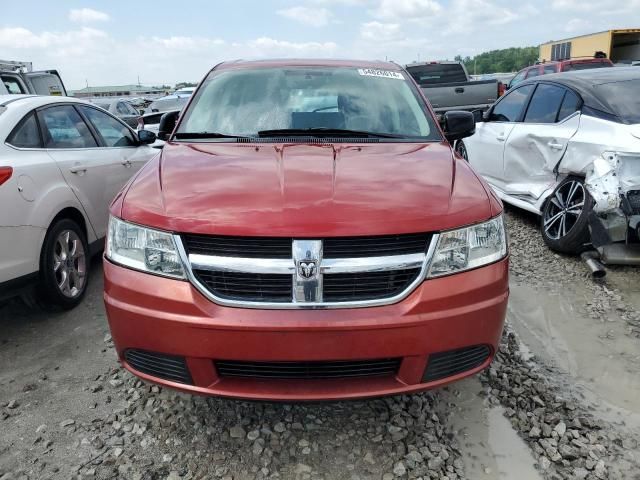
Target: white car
pixel 185 91
pixel 168 103
pixel 62 161
pixel 567 147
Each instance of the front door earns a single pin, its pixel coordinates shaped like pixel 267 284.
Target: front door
pixel 486 147
pixel 86 168
pixel 128 156
pixel 538 143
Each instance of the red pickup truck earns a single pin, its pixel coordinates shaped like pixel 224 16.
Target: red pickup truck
pixel 307 233
pixel 570 65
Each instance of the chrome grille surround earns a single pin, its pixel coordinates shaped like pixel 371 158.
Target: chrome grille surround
pixel 307 292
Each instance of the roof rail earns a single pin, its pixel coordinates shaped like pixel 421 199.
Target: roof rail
pixel 584 57
pixel 16 66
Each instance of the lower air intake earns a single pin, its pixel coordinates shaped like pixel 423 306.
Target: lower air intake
pixel 446 364
pixel 167 367
pixel 308 370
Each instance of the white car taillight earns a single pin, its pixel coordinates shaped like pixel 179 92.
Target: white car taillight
pixel 5 174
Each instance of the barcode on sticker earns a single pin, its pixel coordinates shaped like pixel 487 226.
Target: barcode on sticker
pixel 373 72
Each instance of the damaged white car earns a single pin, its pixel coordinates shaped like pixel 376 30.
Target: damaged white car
pixel 567 147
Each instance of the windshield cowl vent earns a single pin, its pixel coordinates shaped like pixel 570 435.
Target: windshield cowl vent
pixel 313 140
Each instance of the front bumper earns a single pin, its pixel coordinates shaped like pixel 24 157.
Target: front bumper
pixel 156 314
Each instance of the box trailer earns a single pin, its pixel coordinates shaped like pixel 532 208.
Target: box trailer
pixel 621 46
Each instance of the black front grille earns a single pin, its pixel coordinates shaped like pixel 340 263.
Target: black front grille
pixel 167 367
pixel 343 287
pixel 250 287
pixel 308 370
pixel 278 288
pixel 280 247
pixel 248 247
pixel 379 246
pixel 453 362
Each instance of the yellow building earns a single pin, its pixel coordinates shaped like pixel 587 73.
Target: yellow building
pixel 618 45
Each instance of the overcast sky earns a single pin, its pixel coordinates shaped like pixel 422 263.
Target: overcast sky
pixel 114 42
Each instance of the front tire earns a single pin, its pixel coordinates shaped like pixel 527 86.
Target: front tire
pixel 64 265
pixel 564 222
pixel 461 149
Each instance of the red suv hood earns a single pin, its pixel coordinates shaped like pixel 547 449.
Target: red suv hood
pixel 306 190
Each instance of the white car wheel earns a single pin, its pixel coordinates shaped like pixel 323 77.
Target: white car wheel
pixel 64 265
pixel 564 222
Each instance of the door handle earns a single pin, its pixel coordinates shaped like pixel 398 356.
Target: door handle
pixel 555 146
pixel 127 163
pixel 501 137
pixel 78 169
pixel 459 90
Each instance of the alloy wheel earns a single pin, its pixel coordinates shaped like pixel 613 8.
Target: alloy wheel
pixel 563 209
pixel 69 264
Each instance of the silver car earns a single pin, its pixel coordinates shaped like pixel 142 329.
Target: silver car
pixel 62 161
pixel 168 103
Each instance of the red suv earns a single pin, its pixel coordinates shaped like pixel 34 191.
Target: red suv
pixel 307 233
pixel 559 66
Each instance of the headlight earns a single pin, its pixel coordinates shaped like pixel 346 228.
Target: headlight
pixel 469 247
pixel 143 249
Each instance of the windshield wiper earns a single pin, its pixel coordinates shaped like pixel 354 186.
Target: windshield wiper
pixel 195 135
pixel 325 131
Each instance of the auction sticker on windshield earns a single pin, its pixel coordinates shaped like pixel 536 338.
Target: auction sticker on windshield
pixel 372 72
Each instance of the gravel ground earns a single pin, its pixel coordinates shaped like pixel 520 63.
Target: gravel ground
pixel 68 411
pixel 568 440
pixel 533 264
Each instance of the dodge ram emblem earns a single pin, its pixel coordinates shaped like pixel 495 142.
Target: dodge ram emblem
pixel 307 269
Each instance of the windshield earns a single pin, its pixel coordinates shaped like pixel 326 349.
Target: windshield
pixel 585 66
pixel 245 102
pixel 624 97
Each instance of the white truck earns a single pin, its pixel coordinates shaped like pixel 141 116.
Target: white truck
pixel 19 77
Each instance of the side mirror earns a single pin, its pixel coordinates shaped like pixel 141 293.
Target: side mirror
pixel 458 125
pixel 145 137
pixel 478 115
pixel 167 124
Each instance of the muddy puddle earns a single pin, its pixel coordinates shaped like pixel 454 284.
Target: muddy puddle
pixel 598 355
pixel 491 448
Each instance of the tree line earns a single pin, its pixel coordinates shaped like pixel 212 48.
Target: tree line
pixel 504 60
